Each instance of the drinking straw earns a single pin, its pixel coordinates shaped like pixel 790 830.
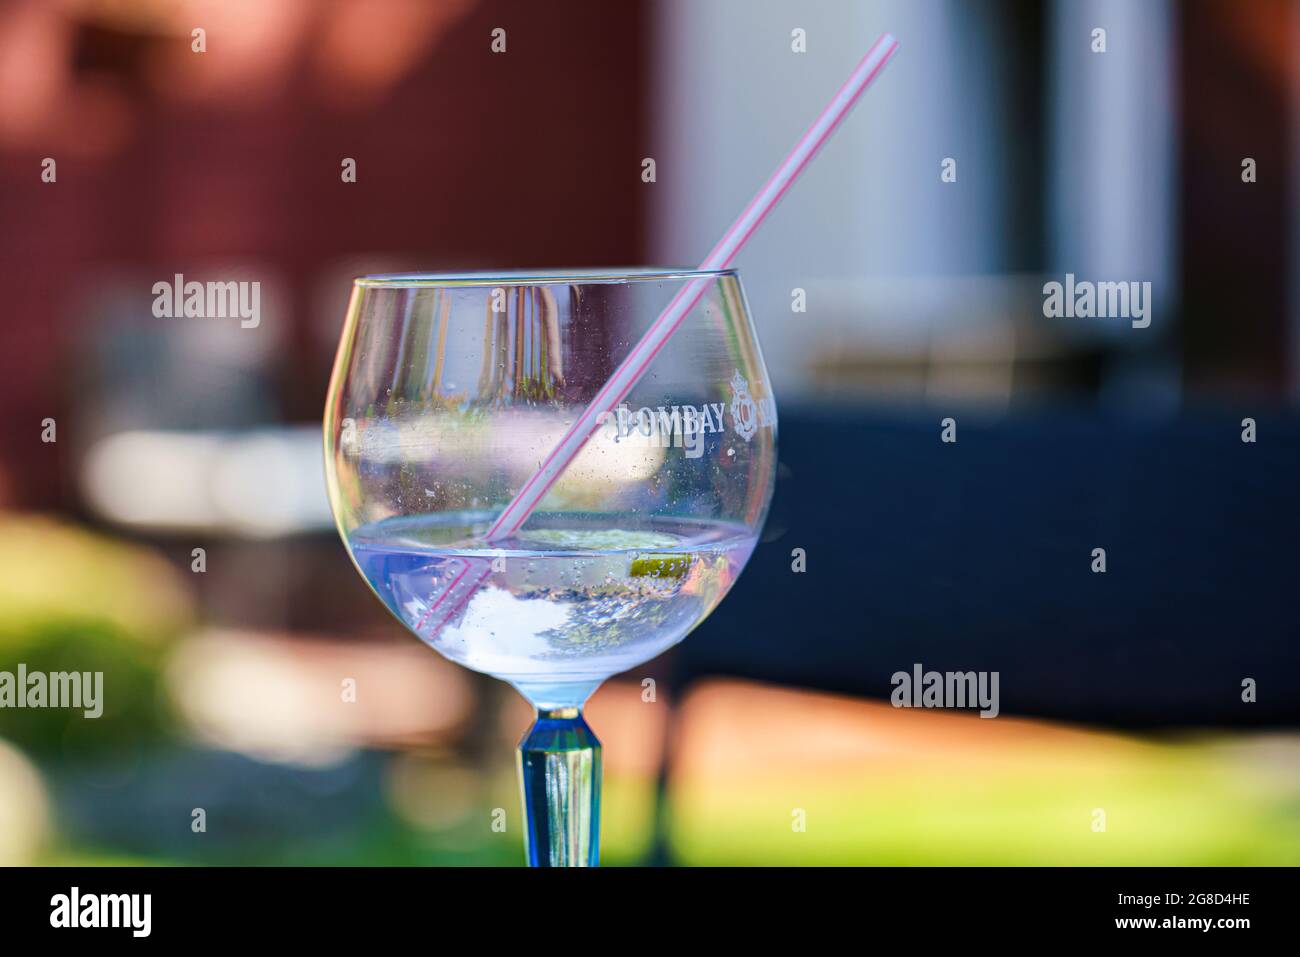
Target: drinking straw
pixel 733 240
pixel 633 366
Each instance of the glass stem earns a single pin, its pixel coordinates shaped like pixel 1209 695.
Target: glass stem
pixel 559 768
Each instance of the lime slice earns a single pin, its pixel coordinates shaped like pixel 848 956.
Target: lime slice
pixel 668 565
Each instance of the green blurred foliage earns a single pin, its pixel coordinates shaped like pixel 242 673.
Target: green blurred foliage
pixel 1196 803
pixel 73 600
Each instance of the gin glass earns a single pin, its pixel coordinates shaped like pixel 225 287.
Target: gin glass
pixel 449 392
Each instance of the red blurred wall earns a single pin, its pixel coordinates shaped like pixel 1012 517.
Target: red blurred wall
pixel 466 158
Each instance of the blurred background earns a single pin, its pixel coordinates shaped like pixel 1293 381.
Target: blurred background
pixel 888 297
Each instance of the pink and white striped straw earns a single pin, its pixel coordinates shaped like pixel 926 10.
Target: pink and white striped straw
pixel 642 354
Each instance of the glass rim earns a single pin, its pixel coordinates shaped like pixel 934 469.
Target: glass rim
pixel 539 277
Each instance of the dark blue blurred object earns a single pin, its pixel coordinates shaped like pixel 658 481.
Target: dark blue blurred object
pixel 977 556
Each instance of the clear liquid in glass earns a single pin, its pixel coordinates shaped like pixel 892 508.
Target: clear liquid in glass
pixel 562 605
